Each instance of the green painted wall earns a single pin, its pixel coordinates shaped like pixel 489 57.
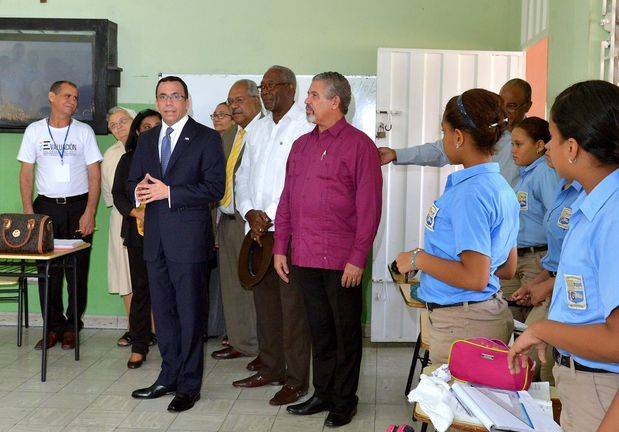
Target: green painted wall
pixel 205 36
pixel 574 37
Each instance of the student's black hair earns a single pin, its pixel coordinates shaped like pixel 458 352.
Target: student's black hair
pixel 588 112
pixel 132 139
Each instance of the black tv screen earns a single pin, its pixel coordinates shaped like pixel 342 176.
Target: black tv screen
pixel 33 58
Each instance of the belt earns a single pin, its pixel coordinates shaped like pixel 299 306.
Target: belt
pixel 564 360
pixel 531 249
pixel 64 200
pixel 432 306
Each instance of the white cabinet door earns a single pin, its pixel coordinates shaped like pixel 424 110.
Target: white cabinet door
pixel 413 87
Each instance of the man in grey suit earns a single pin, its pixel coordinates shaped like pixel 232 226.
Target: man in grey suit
pixel 238 304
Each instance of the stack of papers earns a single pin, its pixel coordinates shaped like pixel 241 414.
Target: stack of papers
pixel 502 410
pixel 67 243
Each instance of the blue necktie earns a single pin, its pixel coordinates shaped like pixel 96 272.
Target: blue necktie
pixel 166 150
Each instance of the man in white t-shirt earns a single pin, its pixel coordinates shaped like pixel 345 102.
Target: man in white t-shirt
pixel 60 155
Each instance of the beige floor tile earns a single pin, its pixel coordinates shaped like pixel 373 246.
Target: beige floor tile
pixel 12 416
pixel 247 423
pixel 148 420
pixel 220 392
pixel 259 393
pixel 213 406
pixel 19 399
pixel 80 385
pixel 197 421
pixel 94 418
pixel 69 400
pixel 290 423
pixel 254 407
pixel 114 402
pixel 49 417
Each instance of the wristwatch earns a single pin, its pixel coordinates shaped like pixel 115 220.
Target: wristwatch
pixel 414 254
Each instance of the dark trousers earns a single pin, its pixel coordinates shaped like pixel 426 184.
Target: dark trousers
pixel 334 315
pixel 139 314
pixel 283 333
pixel 177 292
pixel 66 219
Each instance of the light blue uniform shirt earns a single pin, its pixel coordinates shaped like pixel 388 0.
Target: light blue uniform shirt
pixel 586 290
pixel 536 192
pixel 557 221
pixel 433 154
pixel 477 212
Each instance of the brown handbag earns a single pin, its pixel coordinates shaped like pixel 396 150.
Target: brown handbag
pixel 26 233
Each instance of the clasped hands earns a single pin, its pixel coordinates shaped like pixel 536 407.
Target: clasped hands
pixel 151 189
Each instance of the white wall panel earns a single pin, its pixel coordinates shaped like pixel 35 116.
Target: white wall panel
pixel 413 87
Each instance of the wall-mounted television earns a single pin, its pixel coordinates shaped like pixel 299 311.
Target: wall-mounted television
pixel 35 52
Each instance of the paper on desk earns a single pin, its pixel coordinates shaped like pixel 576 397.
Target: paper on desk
pixel 492 415
pixel 67 243
pixel 540 420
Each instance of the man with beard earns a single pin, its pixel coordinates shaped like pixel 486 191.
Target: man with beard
pixel 238 303
pixel 283 333
pixel 516 95
pixel 334 167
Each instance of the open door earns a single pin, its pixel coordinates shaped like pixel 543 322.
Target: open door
pixel 413 87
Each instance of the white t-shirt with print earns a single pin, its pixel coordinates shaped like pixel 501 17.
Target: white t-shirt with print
pixel 56 177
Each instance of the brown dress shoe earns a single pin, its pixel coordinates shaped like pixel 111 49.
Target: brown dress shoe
pixel 258 380
pixel 255 365
pixel 287 395
pixel 68 340
pixel 227 354
pixel 52 340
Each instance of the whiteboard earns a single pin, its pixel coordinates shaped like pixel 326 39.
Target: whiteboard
pixel 206 91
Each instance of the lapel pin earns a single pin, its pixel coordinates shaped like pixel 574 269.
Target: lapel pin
pixel 186 138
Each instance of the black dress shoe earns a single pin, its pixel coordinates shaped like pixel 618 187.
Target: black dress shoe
pixel 340 417
pixel 311 406
pixel 153 392
pixel 183 402
pixel 136 364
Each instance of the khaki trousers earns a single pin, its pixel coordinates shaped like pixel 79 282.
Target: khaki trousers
pixel 585 397
pixel 490 319
pixel 543 371
pixel 238 303
pixel 528 267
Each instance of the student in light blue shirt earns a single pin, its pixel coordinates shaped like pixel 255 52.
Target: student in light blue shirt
pixel 583 321
pixel 516 96
pixel 470 231
pixel 535 191
pixel 556 221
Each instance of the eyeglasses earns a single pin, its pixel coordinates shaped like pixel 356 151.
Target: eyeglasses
pixel 220 116
pixel 512 107
pixel 176 97
pixel 123 121
pixel 267 87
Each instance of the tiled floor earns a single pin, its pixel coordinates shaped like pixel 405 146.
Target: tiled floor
pixel 94 394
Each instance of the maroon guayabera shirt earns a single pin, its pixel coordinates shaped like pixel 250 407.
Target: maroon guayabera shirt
pixel 331 203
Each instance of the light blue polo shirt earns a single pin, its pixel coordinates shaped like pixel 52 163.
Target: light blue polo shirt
pixel 586 290
pixel 536 192
pixel 557 221
pixel 477 212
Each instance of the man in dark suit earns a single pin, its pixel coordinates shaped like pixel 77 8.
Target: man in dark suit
pixel 177 170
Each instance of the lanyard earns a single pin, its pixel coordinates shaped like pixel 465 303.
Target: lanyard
pixel 60 153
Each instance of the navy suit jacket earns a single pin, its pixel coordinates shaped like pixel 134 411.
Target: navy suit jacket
pixel 196 175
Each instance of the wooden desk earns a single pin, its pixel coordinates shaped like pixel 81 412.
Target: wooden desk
pixel 421 416
pixel 24 266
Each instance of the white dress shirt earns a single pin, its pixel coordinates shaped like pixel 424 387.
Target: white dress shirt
pixel 260 178
pixel 248 130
